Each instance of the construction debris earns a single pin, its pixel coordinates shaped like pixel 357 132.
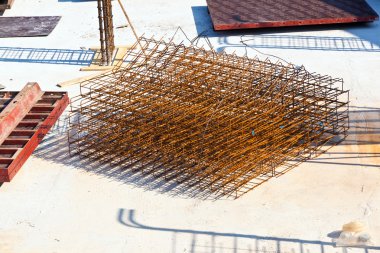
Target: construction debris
pixel 6 4
pixel 27 26
pixel 25 118
pixel 214 121
pixel 237 14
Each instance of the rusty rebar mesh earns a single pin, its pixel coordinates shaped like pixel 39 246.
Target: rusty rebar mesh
pixel 214 122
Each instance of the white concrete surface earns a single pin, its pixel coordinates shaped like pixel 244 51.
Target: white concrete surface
pixel 59 204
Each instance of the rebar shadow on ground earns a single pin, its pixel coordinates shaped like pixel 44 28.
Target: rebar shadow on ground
pixel 212 241
pixel 358 150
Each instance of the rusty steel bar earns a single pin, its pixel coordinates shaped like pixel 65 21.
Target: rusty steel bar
pixel 107 44
pixel 213 122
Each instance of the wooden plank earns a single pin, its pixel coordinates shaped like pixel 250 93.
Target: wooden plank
pixel 5 4
pixel 79 79
pixel 118 59
pixel 27 26
pixel 96 68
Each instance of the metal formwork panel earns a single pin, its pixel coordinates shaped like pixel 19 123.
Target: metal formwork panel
pixel 237 14
pixel 29 131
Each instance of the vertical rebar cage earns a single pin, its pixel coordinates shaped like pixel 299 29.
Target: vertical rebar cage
pixel 213 122
pixel 107 44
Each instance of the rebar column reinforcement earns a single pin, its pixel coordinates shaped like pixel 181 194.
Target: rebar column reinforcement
pixel 107 44
pixel 214 122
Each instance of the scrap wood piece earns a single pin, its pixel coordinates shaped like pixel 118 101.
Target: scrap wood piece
pixel 18 107
pixel 27 26
pixel 237 14
pixel 7 4
pixel 117 60
pixel 80 79
pixel 30 130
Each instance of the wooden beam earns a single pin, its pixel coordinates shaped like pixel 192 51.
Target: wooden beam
pixel 96 68
pixel 80 79
pixel 118 59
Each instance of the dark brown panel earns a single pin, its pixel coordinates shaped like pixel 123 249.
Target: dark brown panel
pixel 27 26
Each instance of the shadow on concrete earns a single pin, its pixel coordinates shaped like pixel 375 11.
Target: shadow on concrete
pixel 55 148
pixel 364 126
pixel 210 241
pixel 362 145
pixel 45 55
pixel 3 6
pixel 335 234
pixel 365 35
pixel 363 139
pixel 307 42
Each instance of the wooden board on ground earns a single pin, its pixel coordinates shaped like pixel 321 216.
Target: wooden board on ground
pixel 5 4
pixel 117 61
pixel 27 26
pixel 79 79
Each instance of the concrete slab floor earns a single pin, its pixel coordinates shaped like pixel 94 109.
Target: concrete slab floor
pixel 62 204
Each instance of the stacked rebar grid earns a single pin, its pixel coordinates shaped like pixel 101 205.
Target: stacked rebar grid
pixel 212 121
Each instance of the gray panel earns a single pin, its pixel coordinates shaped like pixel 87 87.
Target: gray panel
pixel 27 26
